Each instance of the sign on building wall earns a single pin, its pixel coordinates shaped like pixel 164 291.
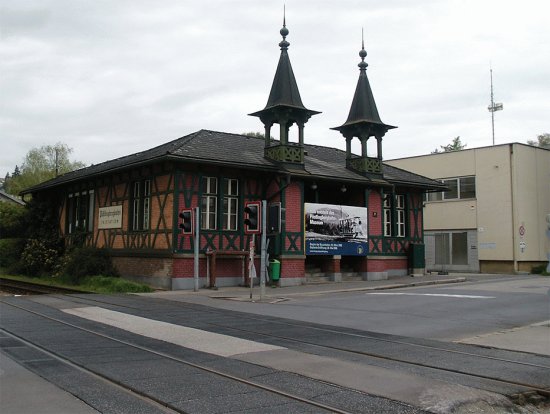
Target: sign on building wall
pixel 110 217
pixel 336 230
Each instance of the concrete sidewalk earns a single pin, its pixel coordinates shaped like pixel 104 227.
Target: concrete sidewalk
pixel 272 293
pixel 533 339
pixel 23 392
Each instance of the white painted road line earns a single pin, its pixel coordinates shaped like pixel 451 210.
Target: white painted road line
pixel 443 295
pixel 197 339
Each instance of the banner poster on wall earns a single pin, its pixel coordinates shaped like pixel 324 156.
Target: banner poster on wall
pixel 336 230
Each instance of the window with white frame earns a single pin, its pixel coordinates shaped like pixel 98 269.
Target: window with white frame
pixel 80 211
pixel 400 215
pixel 387 215
pixel 209 203
pixel 141 205
pixel 230 204
pixel 394 209
pixel 459 188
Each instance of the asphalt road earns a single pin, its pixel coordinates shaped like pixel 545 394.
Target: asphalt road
pixel 443 312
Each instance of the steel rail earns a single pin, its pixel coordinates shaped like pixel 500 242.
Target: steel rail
pixel 36 288
pixel 334 331
pixel 176 359
pixel 157 403
pixel 529 387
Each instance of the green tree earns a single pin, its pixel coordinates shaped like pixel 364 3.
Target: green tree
pixel 41 164
pixel 12 220
pixel 455 145
pixel 543 141
pixel 256 134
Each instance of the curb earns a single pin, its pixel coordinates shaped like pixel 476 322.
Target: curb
pixel 270 299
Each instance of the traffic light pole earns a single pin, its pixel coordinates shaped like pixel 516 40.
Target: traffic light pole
pixel 196 262
pixel 263 250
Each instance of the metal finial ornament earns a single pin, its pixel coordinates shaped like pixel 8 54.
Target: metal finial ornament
pixel 284 32
pixel 362 54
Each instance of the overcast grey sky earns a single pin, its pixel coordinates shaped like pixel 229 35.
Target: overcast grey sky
pixel 110 78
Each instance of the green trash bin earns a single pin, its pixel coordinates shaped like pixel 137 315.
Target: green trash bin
pixel 275 270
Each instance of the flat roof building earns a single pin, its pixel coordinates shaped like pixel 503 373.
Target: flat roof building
pixel 495 216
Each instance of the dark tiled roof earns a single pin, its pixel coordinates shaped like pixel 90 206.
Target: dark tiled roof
pixel 363 111
pixel 241 151
pixel 284 90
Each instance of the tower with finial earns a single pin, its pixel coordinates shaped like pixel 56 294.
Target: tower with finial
pixel 363 122
pixel 284 107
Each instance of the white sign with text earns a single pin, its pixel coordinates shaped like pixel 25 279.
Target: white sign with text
pixel 110 217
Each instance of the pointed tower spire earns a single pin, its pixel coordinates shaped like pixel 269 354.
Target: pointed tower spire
pixel 363 122
pixel 284 107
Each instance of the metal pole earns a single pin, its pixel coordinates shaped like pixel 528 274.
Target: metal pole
pixel 56 161
pixel 251 269
pixel 263 250
pixel 492 108
pixel 197 238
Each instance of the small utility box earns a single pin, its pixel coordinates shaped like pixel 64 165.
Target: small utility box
pixel 417 262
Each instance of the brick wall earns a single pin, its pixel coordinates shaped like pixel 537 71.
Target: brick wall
pixel 185 267
pixel 384 265
pixel 273 188
pixel 293 205
pixel 375 205
pixel 153 271
pixel 293 267
pixel 331 265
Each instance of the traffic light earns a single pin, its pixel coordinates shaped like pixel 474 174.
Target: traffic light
pixel 274 218
pixel 186 223
pixel 252 218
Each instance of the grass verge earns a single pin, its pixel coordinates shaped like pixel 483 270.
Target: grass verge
pixel 92 284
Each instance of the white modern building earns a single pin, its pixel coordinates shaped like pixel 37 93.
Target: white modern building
pixel 496 214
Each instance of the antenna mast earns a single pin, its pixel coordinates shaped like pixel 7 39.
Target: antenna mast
pixel 493 107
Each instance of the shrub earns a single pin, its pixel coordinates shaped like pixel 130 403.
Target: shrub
pixel 86 261
pixel 10 251
pixel 39 257
pixel 537 270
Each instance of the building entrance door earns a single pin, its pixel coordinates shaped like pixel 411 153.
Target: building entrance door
pixel 452 251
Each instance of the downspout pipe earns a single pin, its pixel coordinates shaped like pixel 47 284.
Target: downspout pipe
pixel 513 208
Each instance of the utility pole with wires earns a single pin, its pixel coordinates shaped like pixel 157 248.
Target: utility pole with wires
pixel 493 107
pixel 56 161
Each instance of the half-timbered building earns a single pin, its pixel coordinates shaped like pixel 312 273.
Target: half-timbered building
pixel 365 217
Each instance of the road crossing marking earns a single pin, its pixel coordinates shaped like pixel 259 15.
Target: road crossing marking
pixel 197 339
pixel 443 295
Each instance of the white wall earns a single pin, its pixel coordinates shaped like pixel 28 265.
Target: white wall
pixel 512 190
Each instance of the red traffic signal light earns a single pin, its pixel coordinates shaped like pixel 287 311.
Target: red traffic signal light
pixel 252 218
pixel 186 221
